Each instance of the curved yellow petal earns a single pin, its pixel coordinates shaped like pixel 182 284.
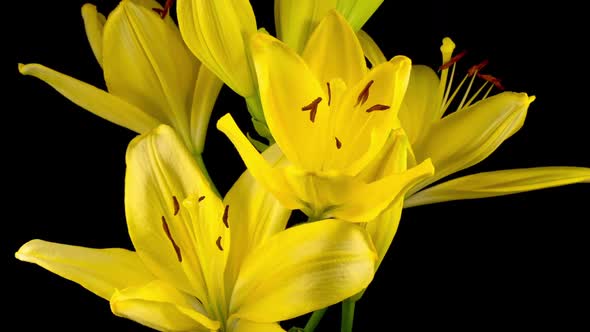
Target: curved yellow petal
pixel 243 325
pixel 393 158
pixel 499 183
pixel 216 32
pixel 97 101
pixel 464 138
pixel 418 109
pixel 333 51
pixel 383 228
pixel 296 20
pixel 370 48
pixel 146 62
pixel 101 271
pixel 295 105
pixel 302 269
pixel 358 12
pixel 254 214
pixel 205 94
pixel 160 306
pixel 160 175
pixel 94 25
pixel 262 171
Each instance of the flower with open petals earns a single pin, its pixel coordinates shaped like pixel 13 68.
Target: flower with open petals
pixel 477 125
pixel 332 118
pixel 203 264
pixel 151 76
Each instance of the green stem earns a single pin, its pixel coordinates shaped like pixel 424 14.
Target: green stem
pixel 347 315
pixel 314 320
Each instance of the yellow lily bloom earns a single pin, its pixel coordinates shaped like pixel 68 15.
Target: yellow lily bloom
pixel 296 20
pixel 203 264
pixel 331 117
pixel 151 76
pixel 477 125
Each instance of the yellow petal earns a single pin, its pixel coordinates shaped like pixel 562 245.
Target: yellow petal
pixel 418 110
pixel 357 12
pixel 101 271
pixel 244 325
pixel 92 99
pixel 160 306
pixel 499 183
pixel 366 202
pixel 302 269
pixel 383 228
pixel 254 214
pixel 206 91
pixel 296 20
pixel 94 25
pixel 361 133
pixel 161 174
pixel 393 158
pixel 215 31
pixel 370 48
pixel 464 138
pixel 288 91
pixel 333 51
pixel 146 63
pixel 262 171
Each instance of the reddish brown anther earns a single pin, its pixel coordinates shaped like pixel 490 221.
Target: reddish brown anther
pixel 176 205
pixel 218 243
pixel 164 11
pixel 377 107
pixel 329 94
pixel 338 143
pixel 495 81
pixel 452 61
pixel 201 198
pixel 224 218
pixel 364 95
pixel 313 108
pixel 476 68
pixel 167 231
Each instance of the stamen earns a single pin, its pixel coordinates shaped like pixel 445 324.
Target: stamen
pixel 224 218
pixel 472 99
pixel 164 11
pixel 338 143
pixel 377 107
pixel 201 198
pixel 167 231
pixel 313 108
pixel 454 59
pixel 475 68
pixel 176 205
pixel 218 243
pixel 329 94
pixel 495 81
pixel 364 95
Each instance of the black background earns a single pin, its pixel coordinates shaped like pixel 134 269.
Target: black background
pixel 509 262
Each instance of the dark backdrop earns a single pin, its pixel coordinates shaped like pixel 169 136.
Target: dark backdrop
pixel 517 261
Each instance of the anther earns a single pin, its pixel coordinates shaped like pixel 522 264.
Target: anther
pixel 224 218
pixel 218 243
pixel 364 95
pixel 167 231
pixel 452 60
pixel 495 81
pixel 164 11
pixel 329 94
pixel 476 68
pixel 338 143
pixel 176 205
pixel 201 198
pixel 313 108
pixel 377 107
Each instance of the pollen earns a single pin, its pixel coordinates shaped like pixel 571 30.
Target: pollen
pixel 176 205
pixel 452 61
pixel 364 95
pixel 201 199
pixel 377 107
pixel 225 215
pixel 338 143
pixel 313 108
pixel 218 243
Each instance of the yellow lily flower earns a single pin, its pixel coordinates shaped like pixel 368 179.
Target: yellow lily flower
pixel 203 264
pixel 331 117
pixel 477 125
pixel 296 20
pixel 151 76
